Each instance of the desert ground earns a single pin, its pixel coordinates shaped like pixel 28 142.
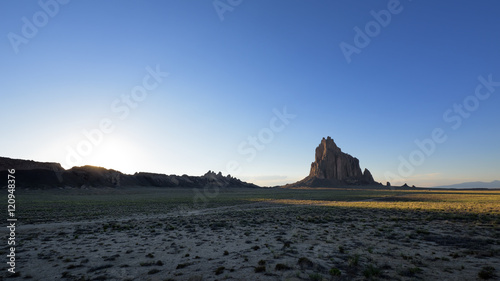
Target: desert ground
pixel 256 234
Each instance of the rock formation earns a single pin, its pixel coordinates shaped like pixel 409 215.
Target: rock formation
pixel 332 167
pixel 38 175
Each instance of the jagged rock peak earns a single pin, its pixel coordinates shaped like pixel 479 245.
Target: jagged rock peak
pixel 367 176
pixel 332 167
pixel 331 163
pixel 211 175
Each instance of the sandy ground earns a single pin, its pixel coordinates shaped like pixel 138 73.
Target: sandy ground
pixel 260 241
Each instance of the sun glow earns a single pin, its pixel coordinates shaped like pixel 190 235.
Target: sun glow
pixel 117 154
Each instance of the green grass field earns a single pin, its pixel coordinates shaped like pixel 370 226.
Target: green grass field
pixel 76 204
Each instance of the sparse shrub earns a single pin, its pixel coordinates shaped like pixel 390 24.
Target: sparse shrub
pixel 72 266
pixel 371 271
pixel 415 270
pixel 281 266
pixel 262 262
pixel 423 231
pixel 305 263
pixel 219 270
pixel 315 277
pixel 226 253
pixel 341 250
pixel 487 272
pixel 353 260
pixel 182 265
pixel 255 248
pixel 405 257
pixel 334 271
pixel 261 268
pixel 410 272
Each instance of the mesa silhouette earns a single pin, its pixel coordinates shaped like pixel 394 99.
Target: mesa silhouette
pixel 45 175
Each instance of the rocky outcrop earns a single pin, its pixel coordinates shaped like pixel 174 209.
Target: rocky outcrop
pixel 93 176
pixel 9 163
pixel 367 176
pixel 31 174
pixel 331 163
pixel 332 167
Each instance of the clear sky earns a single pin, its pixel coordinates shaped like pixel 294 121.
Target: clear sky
pixel 250 87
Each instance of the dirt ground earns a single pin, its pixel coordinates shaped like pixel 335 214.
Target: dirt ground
pixel 261 241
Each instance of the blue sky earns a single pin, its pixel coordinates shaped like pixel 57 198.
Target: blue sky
pixel 271 71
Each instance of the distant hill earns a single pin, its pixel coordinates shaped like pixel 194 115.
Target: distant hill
pixel 474 184
pixel 40 175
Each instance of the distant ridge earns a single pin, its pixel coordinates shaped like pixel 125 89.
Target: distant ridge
pixel 332 168
pixel 472 185
pixel 45 175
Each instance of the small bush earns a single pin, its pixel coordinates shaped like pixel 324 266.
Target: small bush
pixel 335 272
pixel 182 265
pixel 281 266
pixel 487 272
pixel 371 271
pixel 305 263
pixel 315 277
pixel 353 261
pixel 261 268
pixel 219 270
pixel 341 250
pixel 147 263
pixel 410 272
